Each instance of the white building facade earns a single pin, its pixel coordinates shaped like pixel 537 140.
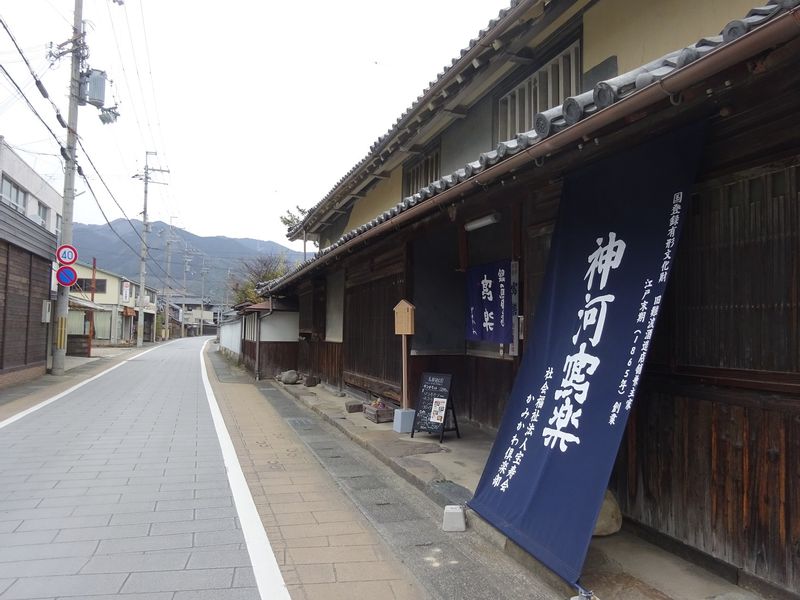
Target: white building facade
pixel 24 190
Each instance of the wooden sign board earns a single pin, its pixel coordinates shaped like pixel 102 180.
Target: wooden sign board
pixel 433 403
pixel 404 318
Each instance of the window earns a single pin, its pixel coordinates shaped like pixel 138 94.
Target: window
pixel 14 195
pixel 85 285
pixel 549 86
pixel 424 171
pixel 42 213
pixel 58 228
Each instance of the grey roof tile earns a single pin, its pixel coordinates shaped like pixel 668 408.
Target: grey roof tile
pixel 473 168
pixel 548 122
pixel 576 108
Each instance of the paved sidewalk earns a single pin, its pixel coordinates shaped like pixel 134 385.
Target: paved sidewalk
pixel 326 548
pixel 119 490
pixel 622 566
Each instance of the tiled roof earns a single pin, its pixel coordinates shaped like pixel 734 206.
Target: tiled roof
pixel 460 65
pixel 549 122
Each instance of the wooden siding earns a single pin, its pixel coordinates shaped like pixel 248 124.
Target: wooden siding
pixel 738 280
pixel 22 232
pixel 321 359
pixel 372 352
pixel 3 280
pixel 719 475
pixel 712 450
pixel 24 286
pixel 273 357
pixel 17 307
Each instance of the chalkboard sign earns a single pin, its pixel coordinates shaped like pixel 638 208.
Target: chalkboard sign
pixel 433 404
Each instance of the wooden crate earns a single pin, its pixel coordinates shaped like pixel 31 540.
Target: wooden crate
pixel 378 415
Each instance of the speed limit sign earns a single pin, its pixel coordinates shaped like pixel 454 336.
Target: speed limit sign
pixel 66 254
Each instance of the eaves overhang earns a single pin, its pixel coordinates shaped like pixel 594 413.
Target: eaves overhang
pixel 577 120
pixel 460 72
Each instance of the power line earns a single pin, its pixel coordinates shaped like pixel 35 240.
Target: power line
pixel 150 73
pixel 103 181
pixel 43 91
pixel 37 81
pixel 111 227
pixel 33 108
pixel 125 75
pixel 138 76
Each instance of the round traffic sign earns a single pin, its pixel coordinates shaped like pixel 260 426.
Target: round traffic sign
pixel 66 276
pixel 67 254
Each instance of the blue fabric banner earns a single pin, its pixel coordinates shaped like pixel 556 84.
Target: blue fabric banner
pixel 489 315
pixel 612 249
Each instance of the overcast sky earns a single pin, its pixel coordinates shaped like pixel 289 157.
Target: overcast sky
pixel 254 106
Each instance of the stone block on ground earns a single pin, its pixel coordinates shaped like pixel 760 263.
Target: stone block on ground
pixel 610 519
pixel 310 381
pixel 289 377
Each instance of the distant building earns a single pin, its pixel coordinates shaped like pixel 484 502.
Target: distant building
pixel 118 294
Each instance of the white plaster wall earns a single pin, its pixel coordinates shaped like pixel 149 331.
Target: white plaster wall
pixel 230 337
pixel 280 327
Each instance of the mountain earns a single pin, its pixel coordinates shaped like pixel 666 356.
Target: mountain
pixel 221 256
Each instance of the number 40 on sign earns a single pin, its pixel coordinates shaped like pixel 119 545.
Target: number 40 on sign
pixel 66 254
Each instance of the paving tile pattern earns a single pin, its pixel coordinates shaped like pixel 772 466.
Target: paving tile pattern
pixel 347 526
pixel 119 490
pixel 326 548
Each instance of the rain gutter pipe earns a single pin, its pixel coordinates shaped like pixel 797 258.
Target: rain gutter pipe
pixel 772 33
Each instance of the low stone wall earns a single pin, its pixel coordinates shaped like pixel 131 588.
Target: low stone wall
pixel 9 377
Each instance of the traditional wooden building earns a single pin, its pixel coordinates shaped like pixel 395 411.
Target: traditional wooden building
pixel 26 258
pixel 710 465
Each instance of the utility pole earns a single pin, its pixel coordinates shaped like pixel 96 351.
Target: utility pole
pixel 143 253
pixel 227 287
pixel 186 261
pixel 169 287
pixel 62 298
pixel 203 272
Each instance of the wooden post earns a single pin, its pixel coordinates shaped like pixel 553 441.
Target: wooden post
pixel 406 403
pixel 404 326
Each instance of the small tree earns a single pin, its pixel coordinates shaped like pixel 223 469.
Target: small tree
pixel 292 219
pixel 263 267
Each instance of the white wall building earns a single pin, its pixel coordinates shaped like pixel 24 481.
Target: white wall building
pixel 23 189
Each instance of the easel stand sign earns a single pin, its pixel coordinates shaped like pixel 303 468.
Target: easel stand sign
pixel 433 404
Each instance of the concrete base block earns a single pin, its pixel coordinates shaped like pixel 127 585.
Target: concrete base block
pixel 453 519
pixel 354 406
pixel 403 420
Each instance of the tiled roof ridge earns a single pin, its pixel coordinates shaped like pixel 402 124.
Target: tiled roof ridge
pixel 374 153
pixel 574 109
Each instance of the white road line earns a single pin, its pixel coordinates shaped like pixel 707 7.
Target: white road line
pixel 265 566
pixel 44 403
